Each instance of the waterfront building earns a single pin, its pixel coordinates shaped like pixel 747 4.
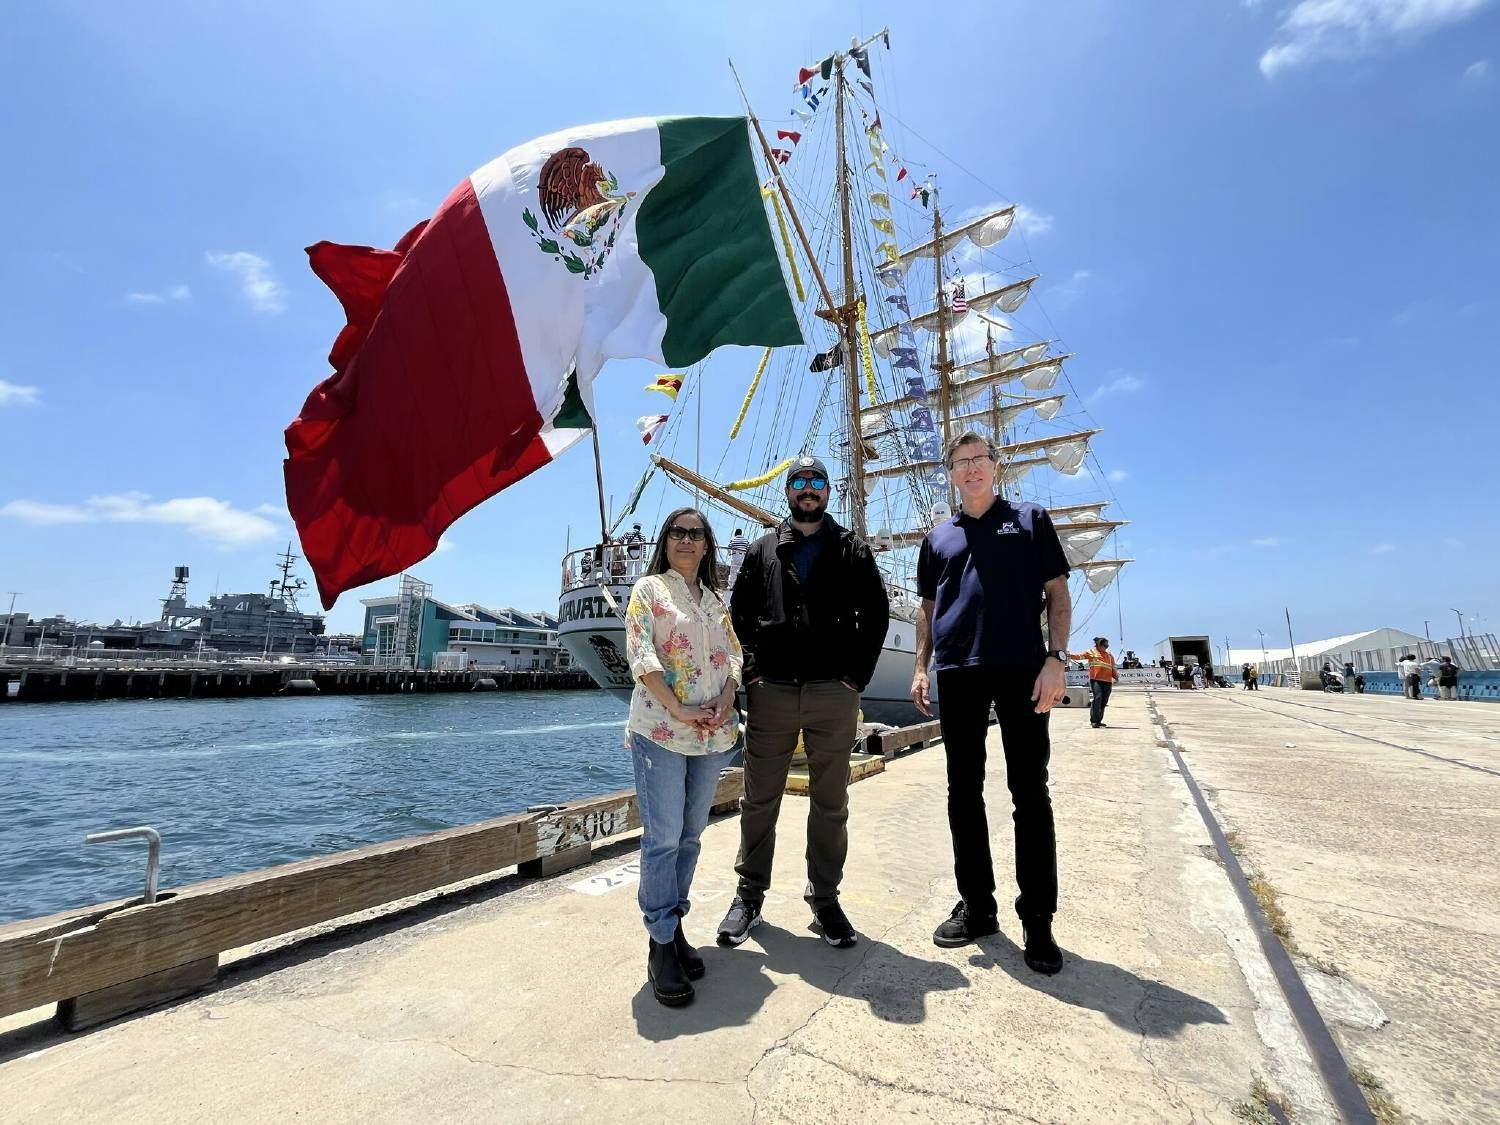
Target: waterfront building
pixel 414 629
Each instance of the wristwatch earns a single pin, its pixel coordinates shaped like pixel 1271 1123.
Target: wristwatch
pixel 1061 654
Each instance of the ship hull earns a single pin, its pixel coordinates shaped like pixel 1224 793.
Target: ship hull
pixel 595 639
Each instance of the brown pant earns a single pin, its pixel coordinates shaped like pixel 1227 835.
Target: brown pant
pixel 826 713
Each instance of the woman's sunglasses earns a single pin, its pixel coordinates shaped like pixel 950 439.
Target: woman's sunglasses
pixel 678 533
pixel 814 483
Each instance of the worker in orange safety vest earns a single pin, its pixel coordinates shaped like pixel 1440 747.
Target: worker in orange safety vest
pixel 1102 677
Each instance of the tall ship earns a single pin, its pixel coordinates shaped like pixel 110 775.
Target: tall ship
pixel 917 330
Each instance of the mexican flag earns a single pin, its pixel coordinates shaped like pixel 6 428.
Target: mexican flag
pixel 470 351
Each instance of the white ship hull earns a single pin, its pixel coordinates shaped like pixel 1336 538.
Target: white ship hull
pixel 595 638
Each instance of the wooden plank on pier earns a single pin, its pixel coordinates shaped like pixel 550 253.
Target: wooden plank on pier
pixel 890 743
pixel 43 960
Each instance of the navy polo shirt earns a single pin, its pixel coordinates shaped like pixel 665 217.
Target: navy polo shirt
pixel 985 578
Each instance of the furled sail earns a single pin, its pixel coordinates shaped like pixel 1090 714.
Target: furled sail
pixel 1010 471
pixel 983 232
pixel 1067 456
pixel 1008 298
pixel 1101 574
pixel 1004 361
pixel 1046 409
pixel 1080 513
pixel 1033 376
pixel 1082 544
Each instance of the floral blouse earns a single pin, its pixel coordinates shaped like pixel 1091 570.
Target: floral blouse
pixel 693 645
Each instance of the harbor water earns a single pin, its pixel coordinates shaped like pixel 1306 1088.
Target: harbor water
pixel 233 785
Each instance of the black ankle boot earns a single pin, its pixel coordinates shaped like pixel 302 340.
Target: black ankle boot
pixel 668 981
pixel 687 956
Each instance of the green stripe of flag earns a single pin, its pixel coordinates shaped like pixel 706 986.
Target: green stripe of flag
pixel 704 234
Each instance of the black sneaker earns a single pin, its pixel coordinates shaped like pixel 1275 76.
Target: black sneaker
pixel 1041 953
pixel 837 931
pixel 963 927
pixel 742 918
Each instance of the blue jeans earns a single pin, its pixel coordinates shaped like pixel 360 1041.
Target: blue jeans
pixel 674 793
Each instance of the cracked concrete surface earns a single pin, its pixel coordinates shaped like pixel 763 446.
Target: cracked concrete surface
pixel 526 1001
pixel 1383 860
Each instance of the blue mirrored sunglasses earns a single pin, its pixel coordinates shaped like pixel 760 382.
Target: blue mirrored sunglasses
pixel 814 483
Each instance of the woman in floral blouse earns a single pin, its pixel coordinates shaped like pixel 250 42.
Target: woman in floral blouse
pixel 682 729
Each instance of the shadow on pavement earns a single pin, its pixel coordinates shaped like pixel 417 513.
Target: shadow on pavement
pixel 1135 1003
pixel 737 982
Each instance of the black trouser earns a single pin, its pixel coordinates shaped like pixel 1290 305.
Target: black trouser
pixel 1098 699
pixel 964 697
pixel 1414 686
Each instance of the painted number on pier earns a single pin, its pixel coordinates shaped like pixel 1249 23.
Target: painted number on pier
pixel 602 884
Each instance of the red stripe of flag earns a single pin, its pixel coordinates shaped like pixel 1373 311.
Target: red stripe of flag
pixel 429 411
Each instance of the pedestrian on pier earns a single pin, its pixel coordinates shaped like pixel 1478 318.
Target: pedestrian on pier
pixel 738 546
pixel 1410 673
pixel 985 576
pixel 1254 678
pixel 682 730
pixel 1102 677
pixel 810 608
pixel 1245 677
pixel 1447 678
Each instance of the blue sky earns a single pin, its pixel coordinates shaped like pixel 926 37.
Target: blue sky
pixel 1267 230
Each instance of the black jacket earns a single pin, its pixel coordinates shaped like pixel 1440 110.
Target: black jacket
pixel 829 628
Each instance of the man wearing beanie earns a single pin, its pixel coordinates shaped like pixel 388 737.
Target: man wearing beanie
pixel 810 610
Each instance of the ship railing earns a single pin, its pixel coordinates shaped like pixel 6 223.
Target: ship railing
pixel 620 563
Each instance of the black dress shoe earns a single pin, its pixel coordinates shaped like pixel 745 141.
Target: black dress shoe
pixel 687 956
pixel 668 980
pixel 1041 952
pixel 963 927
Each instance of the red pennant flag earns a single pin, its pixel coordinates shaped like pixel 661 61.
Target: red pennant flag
pixel 806 74
pixel 901 175
pixel 782 155
pixel 788 135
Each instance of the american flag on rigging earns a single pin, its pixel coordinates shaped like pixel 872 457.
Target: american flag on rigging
pixel 960 305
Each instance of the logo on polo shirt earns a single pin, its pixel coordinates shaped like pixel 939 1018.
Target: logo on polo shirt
pixel 1008 528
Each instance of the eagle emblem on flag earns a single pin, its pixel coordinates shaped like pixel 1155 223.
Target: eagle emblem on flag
pixel 583 207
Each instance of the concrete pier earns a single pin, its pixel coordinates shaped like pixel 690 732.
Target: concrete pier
pixel 1372 834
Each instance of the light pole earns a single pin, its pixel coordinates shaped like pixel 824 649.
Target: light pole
pixel 1460 624
pixel 1428 631
pixel 10 616
pixel 1262 633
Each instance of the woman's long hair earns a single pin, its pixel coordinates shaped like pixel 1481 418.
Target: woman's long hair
pixel 708 566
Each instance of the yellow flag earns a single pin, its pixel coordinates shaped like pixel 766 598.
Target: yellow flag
pixel 888 249
pixel 877 167
pixel 884 225
pixel 880 199
pixel 668 385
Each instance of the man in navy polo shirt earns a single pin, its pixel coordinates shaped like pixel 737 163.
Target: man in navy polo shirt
pixel 985 576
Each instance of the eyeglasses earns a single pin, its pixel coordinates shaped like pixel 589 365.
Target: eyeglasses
pixel 814 483
pixel 679 533
pixel 963 463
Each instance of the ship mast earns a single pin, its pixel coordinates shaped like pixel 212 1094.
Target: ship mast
pixel 849 322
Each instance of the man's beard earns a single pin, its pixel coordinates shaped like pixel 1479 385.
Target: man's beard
pixel 802 515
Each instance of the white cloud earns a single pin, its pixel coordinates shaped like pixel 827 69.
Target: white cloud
pixel 1221 549
pixel 1116 475
pixel 1267 541
pixel 217 521
pixel 44 515
pixel 13 394
pixel 444 544
pixel 1069 291
pixel 1382 548
pixel 171 293
pixel 1450 541
pixel 258 284
pixel 1477 70
pixel 1120 384
pixel 1030 222
pixel 275 511
pixel 1325 30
